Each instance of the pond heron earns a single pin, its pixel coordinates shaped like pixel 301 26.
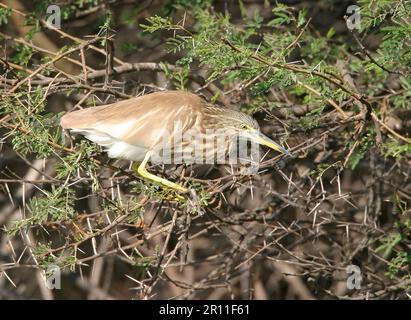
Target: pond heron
pixel 134 129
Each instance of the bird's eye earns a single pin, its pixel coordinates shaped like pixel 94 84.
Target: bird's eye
pixel 244 126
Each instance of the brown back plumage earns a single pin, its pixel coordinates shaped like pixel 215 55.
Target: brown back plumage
pixel 140 120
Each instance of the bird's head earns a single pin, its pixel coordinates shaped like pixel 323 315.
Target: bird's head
pixel 251 130
pixel 243 125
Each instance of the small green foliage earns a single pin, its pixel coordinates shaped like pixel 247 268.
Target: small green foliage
pixel 105 26
pixel 283 15
pixel 157 23
pixel 399 259
pixel 135 210
pixel 389 243
pixel 144 263
pixel 22 54
pixel 33 128
pixel 47 261
pixel 180 78
pixel 396 149
pixel 323 167
pixel 37 140
pixel 152 190
pixel 201 200
pixel 308 122
pixel 32 20
pixel 403 100
pixel 367 141
pixel 176 44
pixel 78 160
pixel 56 205
pixel 42 249
pixel 393 53
pixel 330 33
pixel 4 15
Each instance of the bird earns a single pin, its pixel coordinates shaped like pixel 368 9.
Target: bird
pixel 135 129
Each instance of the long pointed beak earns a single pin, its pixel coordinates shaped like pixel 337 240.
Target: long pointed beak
pixel 262 139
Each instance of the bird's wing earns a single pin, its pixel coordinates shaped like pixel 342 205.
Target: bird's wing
pixel 139 121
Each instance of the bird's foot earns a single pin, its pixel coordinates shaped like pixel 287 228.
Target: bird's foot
pixel 176 197
pixel 141 170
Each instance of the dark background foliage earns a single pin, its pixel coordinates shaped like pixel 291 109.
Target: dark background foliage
pixel 339 99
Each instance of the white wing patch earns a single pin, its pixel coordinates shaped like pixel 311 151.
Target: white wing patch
pixel 122 150
pixel 101 138
pixel 114 147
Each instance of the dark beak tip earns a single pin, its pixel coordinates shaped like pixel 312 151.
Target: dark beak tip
pixel 288 153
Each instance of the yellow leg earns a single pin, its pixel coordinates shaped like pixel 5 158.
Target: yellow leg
pixel 144 173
